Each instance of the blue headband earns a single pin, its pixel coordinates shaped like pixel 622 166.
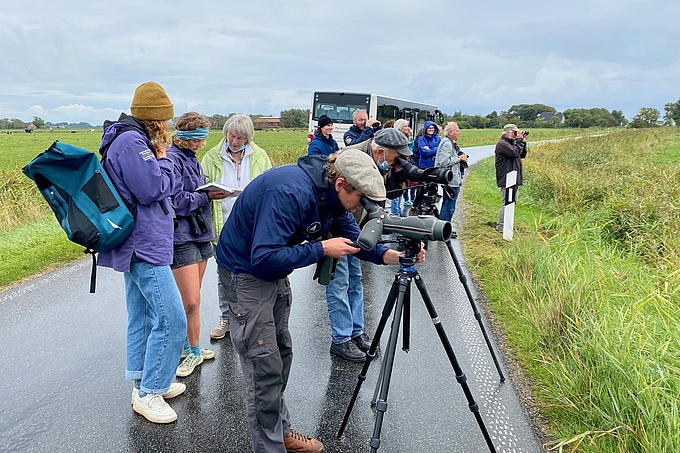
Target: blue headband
pixel 196 134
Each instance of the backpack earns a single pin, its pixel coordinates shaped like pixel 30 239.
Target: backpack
pixel 87 205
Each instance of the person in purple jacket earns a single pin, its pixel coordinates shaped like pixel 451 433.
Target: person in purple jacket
pixel 194 233
pixel 134 150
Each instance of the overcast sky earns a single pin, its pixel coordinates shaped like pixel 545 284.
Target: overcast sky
pixel 80 60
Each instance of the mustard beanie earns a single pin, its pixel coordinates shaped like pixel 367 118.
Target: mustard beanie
pixel 151 102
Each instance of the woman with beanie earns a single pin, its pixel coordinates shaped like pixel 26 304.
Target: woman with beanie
pixel 134 155
pixel 234 161
pixel 323 142
pixel 192 246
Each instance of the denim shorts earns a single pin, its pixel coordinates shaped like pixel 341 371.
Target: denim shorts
pixel 191 253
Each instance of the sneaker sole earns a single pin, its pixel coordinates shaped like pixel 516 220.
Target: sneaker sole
pixel 187 373
pixel 153 419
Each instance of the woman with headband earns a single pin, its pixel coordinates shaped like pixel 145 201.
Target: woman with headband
pixel 193 234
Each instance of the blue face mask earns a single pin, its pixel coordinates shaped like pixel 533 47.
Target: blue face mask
pixel 237 150
pixel 383 165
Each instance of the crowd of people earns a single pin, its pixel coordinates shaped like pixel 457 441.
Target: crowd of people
pixel 260 223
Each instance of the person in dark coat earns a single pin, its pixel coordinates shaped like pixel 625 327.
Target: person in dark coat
pixel 510 150
pixel 323 142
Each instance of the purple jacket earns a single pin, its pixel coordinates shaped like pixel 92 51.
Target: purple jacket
pixel 145 182
pixel 185 199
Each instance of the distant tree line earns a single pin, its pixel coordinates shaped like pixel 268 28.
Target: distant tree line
pixel 523 115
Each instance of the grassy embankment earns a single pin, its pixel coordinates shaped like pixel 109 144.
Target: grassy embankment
pixel 588 293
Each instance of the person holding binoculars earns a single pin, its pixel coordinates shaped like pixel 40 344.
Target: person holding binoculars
pixel 193 235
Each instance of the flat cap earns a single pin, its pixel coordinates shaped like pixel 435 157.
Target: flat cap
pixel 393 139
pixel 510 127
pixel 360 171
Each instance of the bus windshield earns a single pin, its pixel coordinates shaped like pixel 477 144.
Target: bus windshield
pixel 339 106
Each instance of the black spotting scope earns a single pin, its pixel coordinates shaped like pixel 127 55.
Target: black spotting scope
pixel 435 174
pixel 421 227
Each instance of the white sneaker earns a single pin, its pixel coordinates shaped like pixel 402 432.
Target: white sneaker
pixel 188 365
pixel 153 408
pixel 176 389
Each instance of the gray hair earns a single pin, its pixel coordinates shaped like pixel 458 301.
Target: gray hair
pixel 240 125
pixel 449 126
pixel 356 112
pixel 400 123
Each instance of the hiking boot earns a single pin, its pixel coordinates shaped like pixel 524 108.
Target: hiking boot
pixel 189 364
pixel 176 389
pixel 221 330
pixel 206 353
pixel 348 351
pixel 153 408
pixel 362 341
pixel 299 443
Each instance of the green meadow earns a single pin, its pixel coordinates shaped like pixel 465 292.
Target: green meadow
pixel 586 296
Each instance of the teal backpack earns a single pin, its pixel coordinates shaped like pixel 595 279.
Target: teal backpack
pixel 87 205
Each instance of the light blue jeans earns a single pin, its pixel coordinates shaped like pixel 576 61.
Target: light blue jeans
pixel 345 300
pixel 449 206
pixel 156 326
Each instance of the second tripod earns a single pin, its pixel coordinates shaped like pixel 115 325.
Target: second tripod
pixel 398 301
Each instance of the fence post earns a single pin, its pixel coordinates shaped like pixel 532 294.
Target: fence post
pixel 509 203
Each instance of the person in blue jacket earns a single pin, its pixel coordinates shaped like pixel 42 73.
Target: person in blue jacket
pixel 138 167
pixel 323 142
pixel 362 129
pixel 287 218
pixel 428 144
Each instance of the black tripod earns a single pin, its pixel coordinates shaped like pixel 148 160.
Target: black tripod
pixel 399 300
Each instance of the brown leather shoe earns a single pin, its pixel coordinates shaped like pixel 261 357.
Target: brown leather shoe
pixel 299 443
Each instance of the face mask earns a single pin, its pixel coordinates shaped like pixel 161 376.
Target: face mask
pixel 237 150
pixel 383 165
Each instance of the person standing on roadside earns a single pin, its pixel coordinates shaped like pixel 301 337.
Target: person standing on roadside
pixel 509 152
pixel 134 156
pixel 450 156
pixel 362 129
pixel 234 161
pixel 192 246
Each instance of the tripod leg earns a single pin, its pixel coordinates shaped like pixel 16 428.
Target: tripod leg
pixel 478 316
pixel 460 375
pixel 406 336
pixel 370 355
pixel 388 363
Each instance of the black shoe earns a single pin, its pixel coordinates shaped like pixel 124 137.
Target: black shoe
pixel 348 351
pixel 363 342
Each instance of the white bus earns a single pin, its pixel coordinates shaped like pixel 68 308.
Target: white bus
pixel 340 106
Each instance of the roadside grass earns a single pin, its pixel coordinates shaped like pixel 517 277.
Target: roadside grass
pixel 588 293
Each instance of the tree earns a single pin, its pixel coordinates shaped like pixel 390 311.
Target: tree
pixel 39 122
pixel 672 113
pixel 646 117
pixel 294 118
pixel 529 112
pixel 618 116
pixel 16 123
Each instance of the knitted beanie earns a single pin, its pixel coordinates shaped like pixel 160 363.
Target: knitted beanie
pixel 150 102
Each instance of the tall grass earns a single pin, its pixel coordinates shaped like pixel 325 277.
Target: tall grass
pixel 589 291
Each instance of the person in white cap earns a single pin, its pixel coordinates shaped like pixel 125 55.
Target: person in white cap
pixel 278 224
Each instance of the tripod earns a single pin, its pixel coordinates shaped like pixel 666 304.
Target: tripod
pixel 399 301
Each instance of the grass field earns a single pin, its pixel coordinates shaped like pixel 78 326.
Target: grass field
pixel 588 293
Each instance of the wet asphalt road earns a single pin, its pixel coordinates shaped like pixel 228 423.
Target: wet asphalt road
pixel 65 389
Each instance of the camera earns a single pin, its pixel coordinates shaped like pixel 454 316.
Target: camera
pixel 376 126
pixel 526 133
pixel 463 165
